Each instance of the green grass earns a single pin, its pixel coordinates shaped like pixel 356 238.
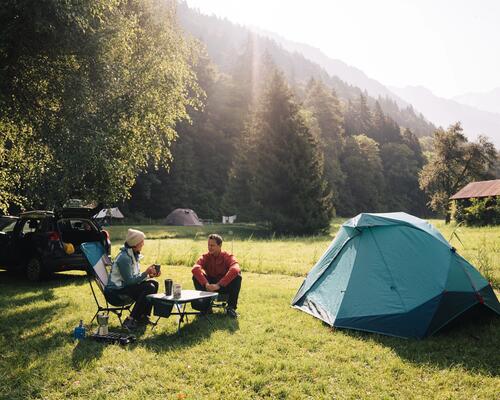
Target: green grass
pixel 260 251
pixel 272 351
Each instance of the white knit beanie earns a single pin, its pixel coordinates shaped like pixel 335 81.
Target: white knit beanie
pixel 134 237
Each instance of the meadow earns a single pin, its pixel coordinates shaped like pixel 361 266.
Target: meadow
pixel 261 251
pixel 271 351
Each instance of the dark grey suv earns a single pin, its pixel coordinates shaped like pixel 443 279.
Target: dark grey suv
pixel 6 220
pixel 39 243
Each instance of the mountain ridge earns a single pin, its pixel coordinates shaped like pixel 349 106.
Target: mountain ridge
pixel 336 67
pixel 445 112
pixel 486 101
pixel 225 40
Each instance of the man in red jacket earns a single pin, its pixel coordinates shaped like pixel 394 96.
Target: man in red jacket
pixel 218 271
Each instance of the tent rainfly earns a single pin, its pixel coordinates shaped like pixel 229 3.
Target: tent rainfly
pixel 392 274
pixel 109 212
pixel 183 217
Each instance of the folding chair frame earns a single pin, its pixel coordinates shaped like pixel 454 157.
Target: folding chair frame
pixel 94 277
pixel 117 310
pixel 222 303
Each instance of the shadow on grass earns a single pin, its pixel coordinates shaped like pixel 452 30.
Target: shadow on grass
pixel 18 282
pixel 468 343
pixel 86 351
pixel 191 333
pixel 28 338
pixel 29 333
pixel 159 340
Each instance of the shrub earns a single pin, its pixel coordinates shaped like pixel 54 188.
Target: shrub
pixel 484 211
pixel 484 259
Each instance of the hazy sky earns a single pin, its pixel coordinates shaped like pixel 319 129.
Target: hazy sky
pixel 449 46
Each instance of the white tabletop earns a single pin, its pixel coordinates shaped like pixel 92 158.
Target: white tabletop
pixel 186 296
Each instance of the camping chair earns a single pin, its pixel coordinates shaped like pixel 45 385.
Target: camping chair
pixel 220 301
pixel 97 273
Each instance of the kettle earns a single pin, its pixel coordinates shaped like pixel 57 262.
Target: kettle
pixel 102 321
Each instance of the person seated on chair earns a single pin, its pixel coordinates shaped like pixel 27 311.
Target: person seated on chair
pixel 218 271
pixel 126 278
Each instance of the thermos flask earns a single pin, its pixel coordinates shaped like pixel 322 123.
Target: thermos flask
pixel 168 287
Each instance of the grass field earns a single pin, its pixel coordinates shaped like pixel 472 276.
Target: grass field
pixel 271 351
pixel 260 251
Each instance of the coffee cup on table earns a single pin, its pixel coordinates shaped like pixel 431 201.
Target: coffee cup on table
pixel 177 291
pixel 157 268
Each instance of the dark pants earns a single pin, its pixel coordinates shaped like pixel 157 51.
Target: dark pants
pixel 232 290
pixel 142 306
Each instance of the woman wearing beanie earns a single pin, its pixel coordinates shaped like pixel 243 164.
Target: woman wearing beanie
pixel 126 278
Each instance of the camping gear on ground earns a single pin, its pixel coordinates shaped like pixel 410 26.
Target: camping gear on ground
pixel 168 287
pixel 183 217
pixel 68 248
pixel 79 332
pixel 177 292
pixel 113 338
pixel 97 272
pixel 102 322
pixel 392 274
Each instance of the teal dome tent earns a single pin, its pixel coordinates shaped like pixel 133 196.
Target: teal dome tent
pixel 392 274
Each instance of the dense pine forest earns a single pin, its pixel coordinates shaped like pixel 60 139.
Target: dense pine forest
pixel 366 160
pixel 153 106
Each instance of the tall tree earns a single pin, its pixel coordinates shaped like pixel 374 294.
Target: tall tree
pixel 358 118
pixel 201 156
pixel 364 184
pixel 401 170
pixel 455 163
pixel 22 161
pixel 99 85
pixel 289 183
pixel 327 112
pixel 239 196
pixel 383 129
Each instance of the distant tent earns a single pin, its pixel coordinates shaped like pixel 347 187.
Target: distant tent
pixel 108 213
pixel 392 274
pixel 228 219
pixel 183 217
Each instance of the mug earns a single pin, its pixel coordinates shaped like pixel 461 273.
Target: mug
pixel 177 291
pixel 168 287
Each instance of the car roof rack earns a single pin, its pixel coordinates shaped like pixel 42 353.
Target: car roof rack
pixel 37 213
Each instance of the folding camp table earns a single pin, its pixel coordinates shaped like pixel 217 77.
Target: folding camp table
pixel 163 304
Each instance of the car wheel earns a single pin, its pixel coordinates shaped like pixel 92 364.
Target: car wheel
pixel 34 270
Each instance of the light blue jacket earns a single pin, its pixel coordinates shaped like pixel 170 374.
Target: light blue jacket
pixel 125 270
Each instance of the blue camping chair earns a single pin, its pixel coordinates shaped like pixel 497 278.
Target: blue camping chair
pixel 97 273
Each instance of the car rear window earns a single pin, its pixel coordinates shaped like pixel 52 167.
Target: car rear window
pixel 32 225
pixel 9 227
pixel 71 224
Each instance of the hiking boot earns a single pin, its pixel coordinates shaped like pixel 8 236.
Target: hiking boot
pixel 231 312
pixel 130 324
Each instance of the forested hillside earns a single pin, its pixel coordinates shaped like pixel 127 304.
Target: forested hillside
pixel 152 106
pixel 225 41
pixel 369 162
